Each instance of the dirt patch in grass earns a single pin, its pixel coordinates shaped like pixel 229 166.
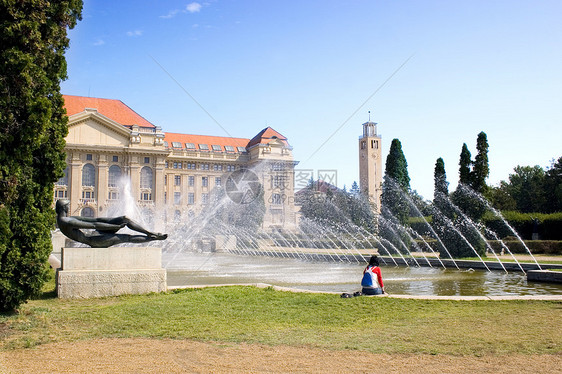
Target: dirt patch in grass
pixel 5 330
pixel 180 356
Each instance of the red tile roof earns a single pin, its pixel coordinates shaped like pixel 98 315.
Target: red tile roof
pixel 263 137
pixel 204 139
pixel 113 109
pixel 267 135
pixel 121 113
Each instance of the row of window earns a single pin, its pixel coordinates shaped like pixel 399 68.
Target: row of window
pixel 114 175
pixel 193 166
pixel 147 175
pixel 90 195
pixel 191 181
pixel 190 198
pixel 205 147
pixel 275 199
pixel 90 157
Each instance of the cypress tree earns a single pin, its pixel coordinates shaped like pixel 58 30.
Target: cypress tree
pixel 465 165
pixel 470 205
pixel 441 186
pixel 396 184
pixel 442 211
pixel 481 169
pixel 33 39
pixel 355 191
pixel 396 166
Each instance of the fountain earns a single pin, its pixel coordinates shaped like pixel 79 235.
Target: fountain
pixel 324 255
pixel 328 254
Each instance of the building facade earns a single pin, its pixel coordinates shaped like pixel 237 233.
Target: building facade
pixel 171 175
pixel 370 164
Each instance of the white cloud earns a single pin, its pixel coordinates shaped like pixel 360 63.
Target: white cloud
pixel 134 33
pixel 193 7
pixel 171 14
pixel 99 42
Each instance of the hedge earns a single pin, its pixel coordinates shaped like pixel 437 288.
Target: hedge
pixel 547 226
pixel 547 247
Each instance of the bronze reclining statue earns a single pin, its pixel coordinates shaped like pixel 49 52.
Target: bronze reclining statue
pixel 105 229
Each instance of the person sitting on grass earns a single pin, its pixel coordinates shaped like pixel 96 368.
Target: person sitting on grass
pixel 105 229
pixel 372 283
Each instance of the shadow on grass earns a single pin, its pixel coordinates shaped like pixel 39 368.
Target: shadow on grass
pixel 46 295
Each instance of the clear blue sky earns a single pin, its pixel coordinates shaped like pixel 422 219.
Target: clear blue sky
pixel 306 67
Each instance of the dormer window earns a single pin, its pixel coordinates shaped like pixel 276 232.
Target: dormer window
pixel 190 146
pixel 241 149
pixel 204 147
pixel 176 145
pixel 229 148
pixel 217 148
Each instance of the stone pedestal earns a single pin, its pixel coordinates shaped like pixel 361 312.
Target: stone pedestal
pixel 98 272
pixel 225 243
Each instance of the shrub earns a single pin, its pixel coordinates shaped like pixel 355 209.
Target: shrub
pixel 421 225
pixel 548 226
pixel 547 247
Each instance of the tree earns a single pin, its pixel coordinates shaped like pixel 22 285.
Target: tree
pixel 441 186
pixel 526 186
pixel 553 187
pixel 396 184
pixel 336 208
pixel 396 166
pixel 441 189
pixel 472 177
pixel 530 189
pixel 395 198
pixel 33 40
pixel 500 197
pixel 443 214
pixel 465 166
pixel 453 228
pixel 480 170
pixel 355 189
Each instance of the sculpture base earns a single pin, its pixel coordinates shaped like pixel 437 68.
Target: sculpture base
pixel 99 272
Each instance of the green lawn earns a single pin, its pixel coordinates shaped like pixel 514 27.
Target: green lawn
pixel 266 316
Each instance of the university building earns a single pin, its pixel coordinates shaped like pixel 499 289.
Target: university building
pixel 171 175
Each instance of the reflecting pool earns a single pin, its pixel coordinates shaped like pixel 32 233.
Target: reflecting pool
pixel 188 268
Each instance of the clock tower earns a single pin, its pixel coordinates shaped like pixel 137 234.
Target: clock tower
pixel 370 164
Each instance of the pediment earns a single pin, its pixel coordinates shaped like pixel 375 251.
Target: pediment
pixel 276 143
pixel 92 128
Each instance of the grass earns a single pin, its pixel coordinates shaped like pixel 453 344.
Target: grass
pixel 265 316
